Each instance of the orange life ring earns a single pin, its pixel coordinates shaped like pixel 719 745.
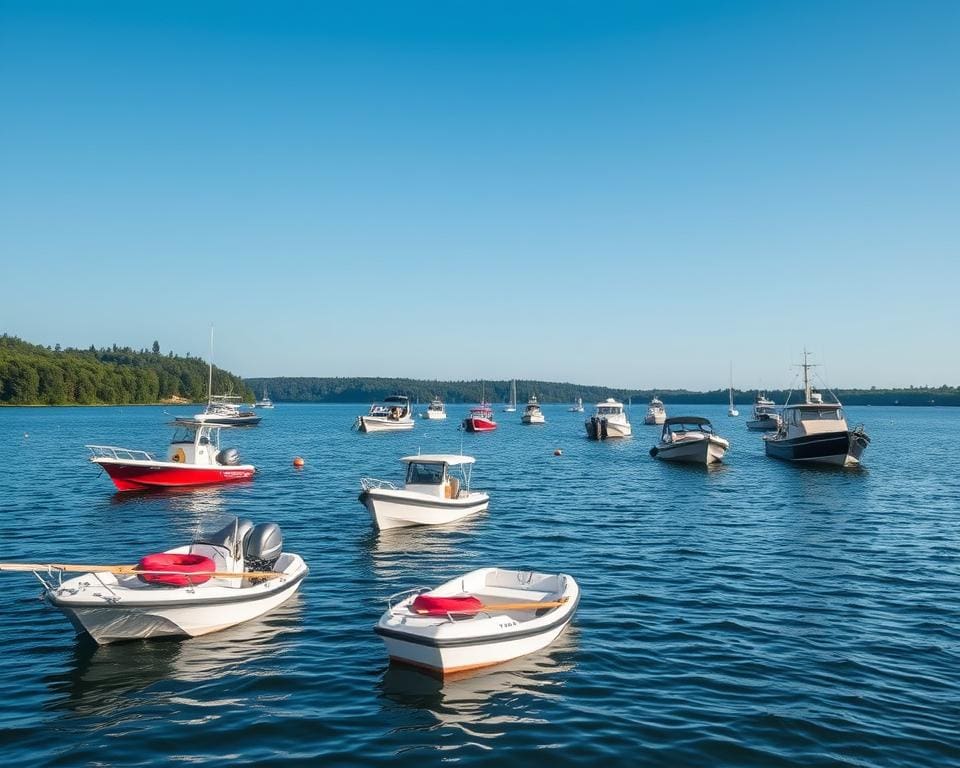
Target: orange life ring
pixel 174 570
pixel 180 457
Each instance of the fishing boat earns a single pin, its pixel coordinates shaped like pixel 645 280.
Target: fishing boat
pixel 765 416
pixel 732 410
pixel 194 457
pixel 690 439
pixel 815 431
pixel 436 411
pixel 229 577
pixel 511 406
pixel 264 402
pixel 436 491
pixel 477 620
pixel 480 419
pixel 577 406
pixel 656 413
pixel 532 413
pixel 608 420
pixel 392 414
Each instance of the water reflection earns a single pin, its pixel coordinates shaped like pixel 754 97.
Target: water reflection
pixel 485 701
pixel 103 680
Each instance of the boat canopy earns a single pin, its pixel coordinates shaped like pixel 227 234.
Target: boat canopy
pixel 400 399
pixel 695 420
pixel 450 459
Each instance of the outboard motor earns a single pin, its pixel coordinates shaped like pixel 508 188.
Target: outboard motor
pixel 264 547
pixel 228 457
pixel 232 537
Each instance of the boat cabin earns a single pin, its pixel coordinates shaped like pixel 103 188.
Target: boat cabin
pixel 532 405
pixel 678 427
pixel 815 418
pixel 394 407
pixel 439 475
pixel 195 443
pixel 609 407
pixel 436 405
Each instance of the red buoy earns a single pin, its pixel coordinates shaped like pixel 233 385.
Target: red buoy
pixel 298 462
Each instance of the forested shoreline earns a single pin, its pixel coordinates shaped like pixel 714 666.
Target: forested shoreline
pixel 368 389
pixel 35 375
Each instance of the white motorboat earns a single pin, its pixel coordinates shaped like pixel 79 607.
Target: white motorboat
pixel 656 413
pixel 392 414
pixel 483 618
pixel 690 439
pixel 511 406
pixel 264 402
pixel 608 420
pixel 765 415
pixel 532 413
pixel 816 432
pixel 436 491
pixel 234 575
pixel 577 406
pixel 221 409
pixel 436 411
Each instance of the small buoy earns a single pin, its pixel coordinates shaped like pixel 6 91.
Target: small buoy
pixel 26 435
pixel 297 462
pixel 558 452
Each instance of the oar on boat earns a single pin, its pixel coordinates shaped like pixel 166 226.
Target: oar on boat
pixel 133 570
pixel 472 605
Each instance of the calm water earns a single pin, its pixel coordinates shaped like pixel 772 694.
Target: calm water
pixel 755 614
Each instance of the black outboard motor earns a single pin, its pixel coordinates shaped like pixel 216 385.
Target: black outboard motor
pixel 264 547
pixel 228 457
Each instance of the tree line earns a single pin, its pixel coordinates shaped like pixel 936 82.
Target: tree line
pixel 35 375
pixel 367 389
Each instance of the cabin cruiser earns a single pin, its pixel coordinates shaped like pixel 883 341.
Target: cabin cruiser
pixel 436 411
pixel 480 419
pixel 222 579
pixel 223 410
pixel 608 420
pixel 436 491
pixel 765 415
pixel 532 413
pixel 816 432
pixel 479 619
pixel 656 413
pixel 392 414
pixel 690 439
pixel 194 457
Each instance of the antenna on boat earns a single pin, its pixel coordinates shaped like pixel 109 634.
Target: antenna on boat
pixel 210 369
pixel 807 391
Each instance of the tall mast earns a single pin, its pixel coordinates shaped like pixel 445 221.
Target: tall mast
pixel 210 369
pixel 806 377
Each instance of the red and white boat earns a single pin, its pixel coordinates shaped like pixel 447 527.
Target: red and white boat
pixel 480 419
pixel 193 458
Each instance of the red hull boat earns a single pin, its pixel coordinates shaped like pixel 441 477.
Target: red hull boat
pixel 193 458
pixel 480 419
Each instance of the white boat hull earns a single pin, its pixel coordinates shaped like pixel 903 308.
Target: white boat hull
pixel 613 429
pixel 709 450
pixel 433 415
pixel 383 424
pixel 391 508
pixel 185 612
pixel 537 418
pixel 655 419
pixel 446 645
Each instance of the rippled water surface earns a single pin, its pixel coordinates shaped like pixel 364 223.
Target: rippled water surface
pixel 755 614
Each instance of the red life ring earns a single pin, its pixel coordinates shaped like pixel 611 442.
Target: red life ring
pixel 441 606
pixel 180 566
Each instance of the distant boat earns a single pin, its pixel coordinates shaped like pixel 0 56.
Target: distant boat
pixel 577 406
pixel 512 405
pixel 608 420
pixel 656 413
pixel 732 411
pixel 393 414
pixel 436 411
pixel 765 416
pixel 532 414
pixel 224 410
pixel 264 402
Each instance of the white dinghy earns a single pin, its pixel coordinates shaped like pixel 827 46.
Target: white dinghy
pixel 231 576
pixel 483 618
pixel 436 491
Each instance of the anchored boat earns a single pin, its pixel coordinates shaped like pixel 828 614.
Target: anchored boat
pixel 608 420
pixel 765 416
pixel 532 413
pixel 480 419
pixel 231 576
pixel 482 618
pixel 391 415
pixel 816 432
pixel 690 439
pixel 577 406
pixel 224 410
pixel 194 457
pixel 436 491
pixel 656 413
pixel 436 411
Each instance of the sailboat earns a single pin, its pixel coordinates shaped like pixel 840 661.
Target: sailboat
pixel 512 405
pixel 221 409
pixel 577 406
pixel 731 411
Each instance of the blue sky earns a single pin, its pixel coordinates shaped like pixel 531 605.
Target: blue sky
pixel 632 194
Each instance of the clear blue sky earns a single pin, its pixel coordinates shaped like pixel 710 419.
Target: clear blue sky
pixel 630 194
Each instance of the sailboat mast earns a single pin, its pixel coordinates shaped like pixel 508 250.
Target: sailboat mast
pixel 806 377
pixel 210 369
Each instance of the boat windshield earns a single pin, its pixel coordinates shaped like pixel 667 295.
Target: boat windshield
pixel 817 414
pixel 605 410
pixel 419 473
pixel 674 428
pixel 184 435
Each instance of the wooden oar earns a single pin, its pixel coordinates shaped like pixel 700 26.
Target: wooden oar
pixel 134 570
pixel 498 607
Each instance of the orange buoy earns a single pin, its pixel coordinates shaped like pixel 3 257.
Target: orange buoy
pixel 298 462
pixel 558 452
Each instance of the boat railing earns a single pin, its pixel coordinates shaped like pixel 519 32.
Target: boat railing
pixel 373 483
pixel 116 452
pixel 398 597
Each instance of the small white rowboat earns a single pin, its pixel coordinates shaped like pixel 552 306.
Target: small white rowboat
pixel 483 618
pixel 115 606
